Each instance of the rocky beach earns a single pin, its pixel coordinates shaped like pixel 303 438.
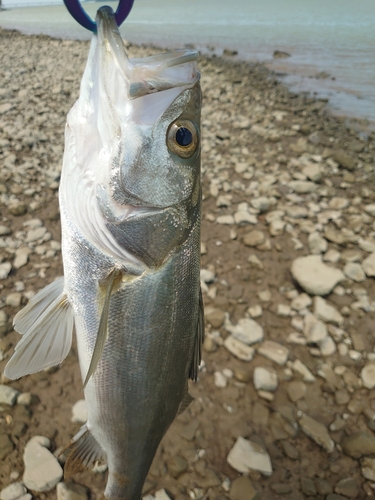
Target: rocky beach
pixel 285 401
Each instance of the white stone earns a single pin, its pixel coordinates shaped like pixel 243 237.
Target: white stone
pixel 71 491
pixel 13 491
pixel 225 219
pixel 326 312
pixel 354 272
pixel 24 399
pixel 242 218
pixel 14 299
pixel 276 227
pixel 315 277
pixel 207 276
pixel 302 369
pixel 368 265
pixel 255 311
pixel 247 330
pixel 274 351
pixel 317 244
pixel 246 456
pixel 366 245
pixel 220 380
pixel 327 346
pixel 42 470
pixel 161 495
pixel 35 234
pixel 332 256
pixel 5 268
pixel 79 412
pixel 8 395
pixel 22 256
pixel 239 349
pixel 296 338
pixel 368 376
pixel 262 204
pixel 283 310
pixel 368 468
pixel 301 302
pixel 317 333
pixel 265 379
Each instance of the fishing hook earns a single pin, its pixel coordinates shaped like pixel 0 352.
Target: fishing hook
pixel 76 10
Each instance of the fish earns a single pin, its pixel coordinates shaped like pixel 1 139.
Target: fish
pixel 130 204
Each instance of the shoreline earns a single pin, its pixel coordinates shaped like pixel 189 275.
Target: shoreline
pixel 301 72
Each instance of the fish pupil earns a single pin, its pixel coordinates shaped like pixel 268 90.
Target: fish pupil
pixel 184 137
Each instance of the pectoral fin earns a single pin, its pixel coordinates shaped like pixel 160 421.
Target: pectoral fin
pixel 85 452
pixel 199 339
pixel 102 334
pixel 46 324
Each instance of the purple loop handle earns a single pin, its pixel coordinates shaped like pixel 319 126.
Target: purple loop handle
pixel 75 9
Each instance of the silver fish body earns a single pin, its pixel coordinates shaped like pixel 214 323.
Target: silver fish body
pixel 130 202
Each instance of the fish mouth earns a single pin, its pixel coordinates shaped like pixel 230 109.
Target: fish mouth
pixel 150 74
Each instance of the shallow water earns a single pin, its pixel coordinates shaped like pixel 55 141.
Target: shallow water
pixel 336 37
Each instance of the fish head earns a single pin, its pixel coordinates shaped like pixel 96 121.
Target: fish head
pixel 137 136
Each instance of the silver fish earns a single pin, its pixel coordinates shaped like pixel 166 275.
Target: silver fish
pixel 130 201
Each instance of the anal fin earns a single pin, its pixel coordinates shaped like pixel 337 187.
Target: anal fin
pixel 85 451
pixel 46 324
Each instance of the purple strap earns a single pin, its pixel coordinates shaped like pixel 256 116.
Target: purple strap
pixel 79 14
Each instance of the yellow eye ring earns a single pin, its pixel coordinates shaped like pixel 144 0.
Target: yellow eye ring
pixel 182 138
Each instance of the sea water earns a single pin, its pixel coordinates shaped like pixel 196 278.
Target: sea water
pixel 331 42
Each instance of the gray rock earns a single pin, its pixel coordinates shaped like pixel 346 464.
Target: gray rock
pixel 348 487
pixel 220 380
pixel 225 219
pixel 262 204
pixel 296 390
pixel 177 465
pixel 344 160
pixel 367 245
pixel 71 491
pixel 317 432
pixel 313 172
pixel 215 317
pixel 302 301
pixel 274 351
pixel 315 277
pixel 17 207
pixel 35 234
pixel 354 272
pixel 302 187
pixel 5 268
pixel 327 346
pixel 359 444
pixel 8 395
pixel 22 256
pixel 265 379
pixel 254 238
pixel 317 333
pixel 207 276
pixel 246 456
pixel 326 312
pixel 302 370
pixel 239 349
pixel 13 491
pixel 368 265
pixel 42 470
pixel 247 330
pixel 368 376
pixel 242 218
pixel 276 227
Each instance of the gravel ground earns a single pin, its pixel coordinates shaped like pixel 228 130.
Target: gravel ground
pixel 285 402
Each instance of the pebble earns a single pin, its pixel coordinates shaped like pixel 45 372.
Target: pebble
pixel 35 234
pixel 255 311
pixel 13 491
pixel 274 351
pixel 265 379
pixel 17 207
pixel 8 395
pixel 354 272
pixel 368 376
pixel 42 470
pixel 71 491
pixel 296 390
pixel 302 301
pixel 225 219
pixel 14 299
pixel 162 495
pixel 207 276
pixel 215 317
pixel 254 238
pixel 25 399
pixel 367 468
pixel 317 333
pixel 302 369
pixel 317 244
pixel 317 432
pixel 246 456
pixel 247 330
pixel 315 277
pixel 243 489
pixel 79 412
pixel 220 380
pixel 359 444
pixel 239 349
pixel 22 257
pixel 368 265
pixel 5 268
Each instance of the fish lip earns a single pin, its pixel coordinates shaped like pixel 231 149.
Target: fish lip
pixel 150 74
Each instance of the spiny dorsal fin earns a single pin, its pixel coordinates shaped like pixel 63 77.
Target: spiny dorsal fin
pixel 199 339
pixel 46 324
pixel 102 334
pixel 85 451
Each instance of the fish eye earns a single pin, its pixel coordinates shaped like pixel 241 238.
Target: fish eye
pixel 182 138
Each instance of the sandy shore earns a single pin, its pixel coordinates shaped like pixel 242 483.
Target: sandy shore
pixel 288 360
